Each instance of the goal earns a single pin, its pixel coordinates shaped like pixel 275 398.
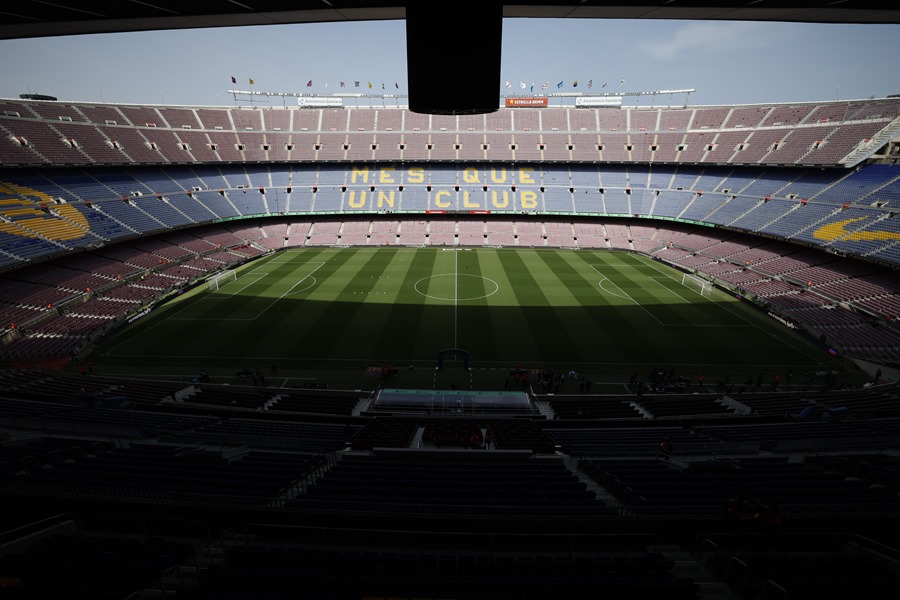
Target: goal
pixel 701 286
pixel 221 279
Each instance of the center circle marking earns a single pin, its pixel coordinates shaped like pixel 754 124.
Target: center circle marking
pixel 457 297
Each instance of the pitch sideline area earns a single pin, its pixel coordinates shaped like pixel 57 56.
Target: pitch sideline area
pixel 598 312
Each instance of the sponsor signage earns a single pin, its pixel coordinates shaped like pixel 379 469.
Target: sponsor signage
pixel 139 315
pixel 526 102
pixel 319 102
pixel 782 320
pixel 593 101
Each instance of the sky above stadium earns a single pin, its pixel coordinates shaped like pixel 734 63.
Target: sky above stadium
pixel 727 62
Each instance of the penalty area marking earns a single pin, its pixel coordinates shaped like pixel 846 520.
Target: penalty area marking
pixel 218 295
pixel 311 284
pixel 291 290
pixel 627 296
pixel 737 314
pixel 660 279
pixel 185 305
pixel 667 288
pixel 611 292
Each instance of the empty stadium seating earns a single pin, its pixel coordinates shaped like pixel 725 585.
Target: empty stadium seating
pixel 141 489
pixel 222 502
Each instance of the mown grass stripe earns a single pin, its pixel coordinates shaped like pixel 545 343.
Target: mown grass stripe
pixel 348 314
pixel 541 307
pixel 198 323
pixel 552 340
pixel 612 329
pixel 702 346
pixel 276 320
pixel 477 316
pixel 402 319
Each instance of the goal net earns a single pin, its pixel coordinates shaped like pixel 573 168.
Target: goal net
pixel 221 279
pixel 699 285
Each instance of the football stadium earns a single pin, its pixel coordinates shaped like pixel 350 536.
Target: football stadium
pixel 453 346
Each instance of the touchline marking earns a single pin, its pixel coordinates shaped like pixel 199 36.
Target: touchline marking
pixel 375 360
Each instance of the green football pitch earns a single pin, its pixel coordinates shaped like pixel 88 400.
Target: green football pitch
pixel 339 315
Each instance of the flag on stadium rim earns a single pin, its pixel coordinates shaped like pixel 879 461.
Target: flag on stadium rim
pixel 575 83
pixel 370 85
pixel 622 82
pixel 343 84
pixel 355 84
pixel 508 85
pixel 396 85
pixel 545 85
pixel 532 87
pixel 522 85
pixel 559 85
pixel 605 83
pixel 251 81
pixel 233 79
pixel 590 83
pixel 382 85
pixel 309 83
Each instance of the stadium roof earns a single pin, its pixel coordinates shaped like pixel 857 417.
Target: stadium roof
pixel 480 20
pixel 34 18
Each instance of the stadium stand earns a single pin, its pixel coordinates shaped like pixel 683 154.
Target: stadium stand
pixel 255 491
pixel 189 489
pixel 131 489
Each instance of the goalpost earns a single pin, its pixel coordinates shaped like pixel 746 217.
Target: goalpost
pixel 699 285
pixel 221 279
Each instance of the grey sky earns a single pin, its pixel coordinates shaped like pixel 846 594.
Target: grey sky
pixel 727 62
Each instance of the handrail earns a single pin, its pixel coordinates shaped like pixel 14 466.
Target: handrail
pixel 698 551
pixel 733 566
pixel 31 528
pixel 768 588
